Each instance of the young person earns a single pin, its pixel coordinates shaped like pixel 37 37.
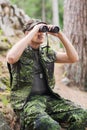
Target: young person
pixel 32 67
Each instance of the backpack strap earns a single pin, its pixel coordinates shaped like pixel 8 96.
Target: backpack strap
pixel 10 72
pixel 11 78
pixel 18 71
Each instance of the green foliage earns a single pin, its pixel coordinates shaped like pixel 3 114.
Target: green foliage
pixel 1 31
pixel 31 7
pixel 4 99
pixel 61 11
pixel 34 9
pixel 5 80
pixel 5 40
pixel 61 45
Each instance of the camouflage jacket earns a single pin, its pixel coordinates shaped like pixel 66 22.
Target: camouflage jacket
pixel 22 73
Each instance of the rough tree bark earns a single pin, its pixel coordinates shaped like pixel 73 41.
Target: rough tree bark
pixel 75 27
pixel 12 18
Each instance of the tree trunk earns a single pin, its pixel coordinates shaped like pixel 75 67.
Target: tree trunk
pixel 55 12
pixel 55 19
pixel 43 11
pixel 75 27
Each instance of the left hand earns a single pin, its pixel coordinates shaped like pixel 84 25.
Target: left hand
pixel 52 33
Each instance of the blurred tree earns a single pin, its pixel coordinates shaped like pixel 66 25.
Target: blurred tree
pixel 75 27
pixel 61 12
pixel 40 8
pixel 43 11
pixel 31 7
pixel 55 12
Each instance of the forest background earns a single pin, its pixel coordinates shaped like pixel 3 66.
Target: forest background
pixel 71 17
pixel 42 9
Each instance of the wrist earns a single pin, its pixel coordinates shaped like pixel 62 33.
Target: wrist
pixel 60 34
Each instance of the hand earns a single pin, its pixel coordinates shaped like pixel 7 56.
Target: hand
pixel 53 30
pixel 38 26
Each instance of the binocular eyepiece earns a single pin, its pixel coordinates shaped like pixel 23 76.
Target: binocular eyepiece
pixel 54 29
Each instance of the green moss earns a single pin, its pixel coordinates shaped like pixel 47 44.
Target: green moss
pixel 5 80
pixel 1 32
pixel 5 101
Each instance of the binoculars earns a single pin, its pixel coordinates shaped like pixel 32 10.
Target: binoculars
pixel 54 29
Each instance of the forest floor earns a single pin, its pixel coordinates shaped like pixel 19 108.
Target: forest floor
pixel 72 93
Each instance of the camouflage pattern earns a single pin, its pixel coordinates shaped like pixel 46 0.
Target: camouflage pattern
pixel 22 73
pixel 44 113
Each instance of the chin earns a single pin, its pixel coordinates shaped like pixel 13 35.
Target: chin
pixel 41 41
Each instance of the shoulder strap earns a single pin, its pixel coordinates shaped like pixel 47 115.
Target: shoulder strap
pixel 18 71
pixel 11 78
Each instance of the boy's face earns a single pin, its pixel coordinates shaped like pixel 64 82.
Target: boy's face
pixel 38 38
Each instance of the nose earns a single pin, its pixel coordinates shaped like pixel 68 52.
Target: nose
pixel 40 33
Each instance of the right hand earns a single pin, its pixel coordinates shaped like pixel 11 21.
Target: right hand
pixel 37 27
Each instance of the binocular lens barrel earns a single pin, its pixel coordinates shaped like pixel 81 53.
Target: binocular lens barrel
pixel 54 29
pixel 43 29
